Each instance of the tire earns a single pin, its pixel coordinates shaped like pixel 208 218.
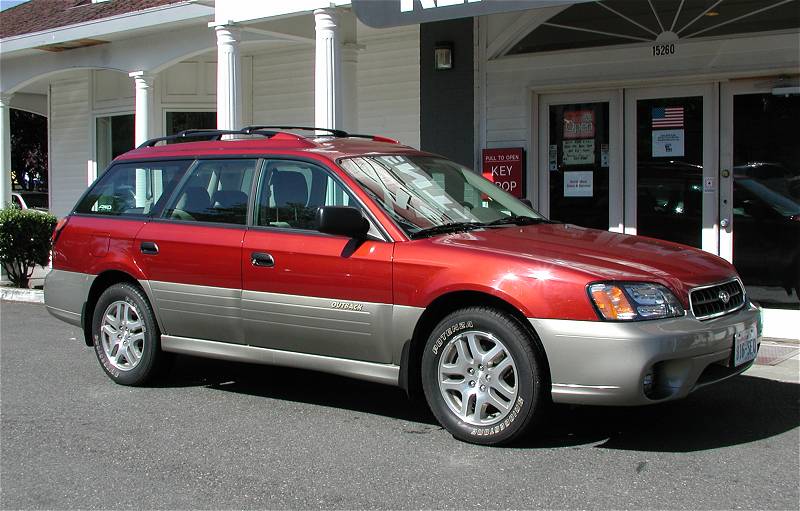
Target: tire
pixel 487 356
pixel 125 335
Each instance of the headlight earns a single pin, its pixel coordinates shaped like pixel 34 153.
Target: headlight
pixel 634 301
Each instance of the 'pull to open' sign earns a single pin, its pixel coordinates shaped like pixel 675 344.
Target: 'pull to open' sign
pixel 504 167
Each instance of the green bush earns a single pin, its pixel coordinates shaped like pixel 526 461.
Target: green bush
pixel 25 241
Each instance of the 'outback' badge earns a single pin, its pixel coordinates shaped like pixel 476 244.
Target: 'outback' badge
pixel 347 306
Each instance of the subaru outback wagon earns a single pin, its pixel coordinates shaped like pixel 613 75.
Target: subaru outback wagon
pixel 358 256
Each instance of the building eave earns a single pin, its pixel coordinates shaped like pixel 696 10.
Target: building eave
pixel 111 26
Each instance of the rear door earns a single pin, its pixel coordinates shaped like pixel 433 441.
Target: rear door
pixel 191 255
pixel 309 292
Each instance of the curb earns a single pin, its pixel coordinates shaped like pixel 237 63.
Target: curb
pixel 15 294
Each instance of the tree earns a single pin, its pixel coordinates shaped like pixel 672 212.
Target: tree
pixel 28 150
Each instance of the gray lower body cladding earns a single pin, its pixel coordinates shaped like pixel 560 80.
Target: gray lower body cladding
pixel 369 371
pixel 604 363
pixel 65 294
pixel 591 362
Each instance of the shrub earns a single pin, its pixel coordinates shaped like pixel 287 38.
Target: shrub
pixel 25 241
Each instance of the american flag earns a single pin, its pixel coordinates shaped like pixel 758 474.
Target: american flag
pixel 668 117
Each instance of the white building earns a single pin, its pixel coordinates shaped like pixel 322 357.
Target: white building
pixel 676 98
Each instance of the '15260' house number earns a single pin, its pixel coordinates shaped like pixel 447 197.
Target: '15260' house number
pixel 663 49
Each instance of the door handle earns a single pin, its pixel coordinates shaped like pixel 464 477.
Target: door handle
pixel 149 248
pixel 262 259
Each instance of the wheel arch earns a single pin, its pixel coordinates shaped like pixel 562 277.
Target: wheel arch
pixel 102 282
pixel 410 375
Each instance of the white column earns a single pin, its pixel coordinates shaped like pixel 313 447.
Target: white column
pixel 327 73
pixel 350 87
pixel 145 106
pixel 5 150
pixel 229 78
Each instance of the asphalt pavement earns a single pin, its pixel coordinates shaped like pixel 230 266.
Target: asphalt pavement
pixel 215 435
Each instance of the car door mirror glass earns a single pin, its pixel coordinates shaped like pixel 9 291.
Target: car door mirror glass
pixel 342 220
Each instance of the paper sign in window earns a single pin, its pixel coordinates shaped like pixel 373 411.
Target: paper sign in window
pixel 579 124
pixel 667 143
pixel 578 152
pixel 579 184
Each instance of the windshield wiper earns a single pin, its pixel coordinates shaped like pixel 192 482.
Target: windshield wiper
pixel 518 220
pixel 446 228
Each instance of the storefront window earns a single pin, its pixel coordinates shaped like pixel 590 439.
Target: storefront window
pixel 614 22
pixel 766 197
pixel 579 164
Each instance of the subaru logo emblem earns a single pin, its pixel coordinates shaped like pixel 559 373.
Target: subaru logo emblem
pixel 724 297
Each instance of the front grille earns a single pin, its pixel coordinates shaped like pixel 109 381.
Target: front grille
pixel 707 302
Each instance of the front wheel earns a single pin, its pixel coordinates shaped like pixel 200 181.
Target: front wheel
pixel 125 335
pixel 483 376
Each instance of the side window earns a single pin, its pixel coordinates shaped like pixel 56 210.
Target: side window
pixel 217 191
pixel 136 189
pixel 291 192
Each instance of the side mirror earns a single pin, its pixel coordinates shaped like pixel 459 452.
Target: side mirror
pixel 342 220
pixel 527 202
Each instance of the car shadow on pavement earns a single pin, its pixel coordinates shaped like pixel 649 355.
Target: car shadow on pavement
pixel 741 410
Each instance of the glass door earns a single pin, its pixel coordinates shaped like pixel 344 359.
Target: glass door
pixel 580 175
pixel 760 200
pixel 671 165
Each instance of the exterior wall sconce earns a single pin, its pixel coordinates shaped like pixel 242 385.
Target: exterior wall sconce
pixel 443 56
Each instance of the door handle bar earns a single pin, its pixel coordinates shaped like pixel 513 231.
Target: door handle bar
pixel 149 248
pixel 262 259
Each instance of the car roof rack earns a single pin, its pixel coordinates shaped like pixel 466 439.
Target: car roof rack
pixel 209 134
pixel 334 132
pixel 266 131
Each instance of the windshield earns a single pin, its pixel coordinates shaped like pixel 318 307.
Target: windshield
pixel 425 193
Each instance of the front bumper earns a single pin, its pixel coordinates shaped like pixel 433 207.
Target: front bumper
pixel 604 363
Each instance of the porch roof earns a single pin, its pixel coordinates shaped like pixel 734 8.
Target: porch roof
pixel 39 15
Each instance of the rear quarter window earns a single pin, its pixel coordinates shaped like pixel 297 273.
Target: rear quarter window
pixel 133 189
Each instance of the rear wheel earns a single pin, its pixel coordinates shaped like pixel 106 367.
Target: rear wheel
pixel 483 376
pixel 125 335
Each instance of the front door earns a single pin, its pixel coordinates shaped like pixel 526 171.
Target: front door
pixel 309 292
pixel 580 168
pixel 760 200
pixel 671 171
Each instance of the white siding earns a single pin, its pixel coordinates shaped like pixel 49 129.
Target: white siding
pixel 283 86
pixel 69 143
pixel 388 83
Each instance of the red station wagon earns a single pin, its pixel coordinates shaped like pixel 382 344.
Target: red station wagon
pixel 358 256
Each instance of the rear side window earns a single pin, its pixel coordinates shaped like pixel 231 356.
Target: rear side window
pixel 136 189
pixel 216 191
pixel 292 191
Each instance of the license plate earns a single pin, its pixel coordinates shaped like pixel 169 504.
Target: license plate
pixel 745 348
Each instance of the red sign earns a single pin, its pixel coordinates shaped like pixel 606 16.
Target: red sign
pixel 504 167
pixel 579 124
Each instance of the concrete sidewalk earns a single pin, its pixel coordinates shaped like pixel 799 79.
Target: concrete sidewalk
pixel 779 360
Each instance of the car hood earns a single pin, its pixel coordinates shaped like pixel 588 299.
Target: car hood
pixel 599 255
